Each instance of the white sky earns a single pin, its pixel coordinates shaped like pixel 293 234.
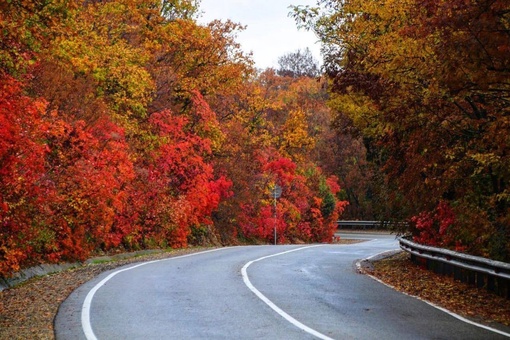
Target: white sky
pixel 270 32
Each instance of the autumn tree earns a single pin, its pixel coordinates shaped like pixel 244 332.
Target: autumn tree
pixel 123 134
pixel 307 210
pixel 176 192
pixel 426 83
pixel 24 225
pixel 127 125
pixel 274 139
pixel 27 26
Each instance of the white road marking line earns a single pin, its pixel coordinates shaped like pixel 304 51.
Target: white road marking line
pixel 85 311
pixel 457 316
pixel 274 307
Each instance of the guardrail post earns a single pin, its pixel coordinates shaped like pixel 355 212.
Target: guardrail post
pixel 480 281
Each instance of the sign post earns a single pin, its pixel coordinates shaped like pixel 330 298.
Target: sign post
pixel 276 193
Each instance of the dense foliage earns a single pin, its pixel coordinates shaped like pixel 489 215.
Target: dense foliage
pixel 426 84
pixel 125 125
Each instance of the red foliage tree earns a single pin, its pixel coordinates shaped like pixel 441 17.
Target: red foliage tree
pixel 437 228
pixel 302 212
pixel 90 170
pixel 62 185
pixel 176 189
pixel 23 191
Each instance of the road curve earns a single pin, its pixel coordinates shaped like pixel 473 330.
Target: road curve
pixel 254 292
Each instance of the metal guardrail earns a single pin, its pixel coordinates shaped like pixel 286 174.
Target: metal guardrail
pixel 493 275
pixel 358 223
pixel 368 224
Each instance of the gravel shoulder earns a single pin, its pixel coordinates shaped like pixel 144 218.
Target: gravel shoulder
pixel 27 311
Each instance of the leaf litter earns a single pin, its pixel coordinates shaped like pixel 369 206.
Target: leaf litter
pixel 468 301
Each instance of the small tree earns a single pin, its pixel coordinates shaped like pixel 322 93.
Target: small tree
pixel 298 64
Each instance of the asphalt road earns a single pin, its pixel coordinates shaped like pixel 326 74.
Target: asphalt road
pixel 259 292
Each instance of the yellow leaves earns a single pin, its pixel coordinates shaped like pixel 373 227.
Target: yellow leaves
pixel 96 47
pixel 485 159
pixel 216 137
pixel 202 57
pixel 78 203
pixel 295 140
pixel 363 113
pixel 391 47
pixel 126 78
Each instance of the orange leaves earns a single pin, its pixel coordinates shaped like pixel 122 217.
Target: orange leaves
pixel 426 84
pixel 333 186
pixel 124 149
pixel 295 138
pixel 11 258
pixel 191 57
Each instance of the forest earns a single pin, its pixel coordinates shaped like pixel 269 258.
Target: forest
pixel 127 125
pixel 426 85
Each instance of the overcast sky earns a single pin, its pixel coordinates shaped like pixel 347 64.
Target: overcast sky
pixel 270 32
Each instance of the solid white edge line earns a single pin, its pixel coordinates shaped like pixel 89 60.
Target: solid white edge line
pixel 274 307
pixel 85 311
pixel 457 316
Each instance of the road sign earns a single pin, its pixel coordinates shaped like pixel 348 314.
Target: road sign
pixel 276 192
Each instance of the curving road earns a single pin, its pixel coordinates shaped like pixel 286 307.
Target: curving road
pixel 272 292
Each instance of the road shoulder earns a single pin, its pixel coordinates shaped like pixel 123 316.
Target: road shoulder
pixel 476 305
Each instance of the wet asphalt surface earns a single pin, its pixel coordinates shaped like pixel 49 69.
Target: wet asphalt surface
pixel 205 296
